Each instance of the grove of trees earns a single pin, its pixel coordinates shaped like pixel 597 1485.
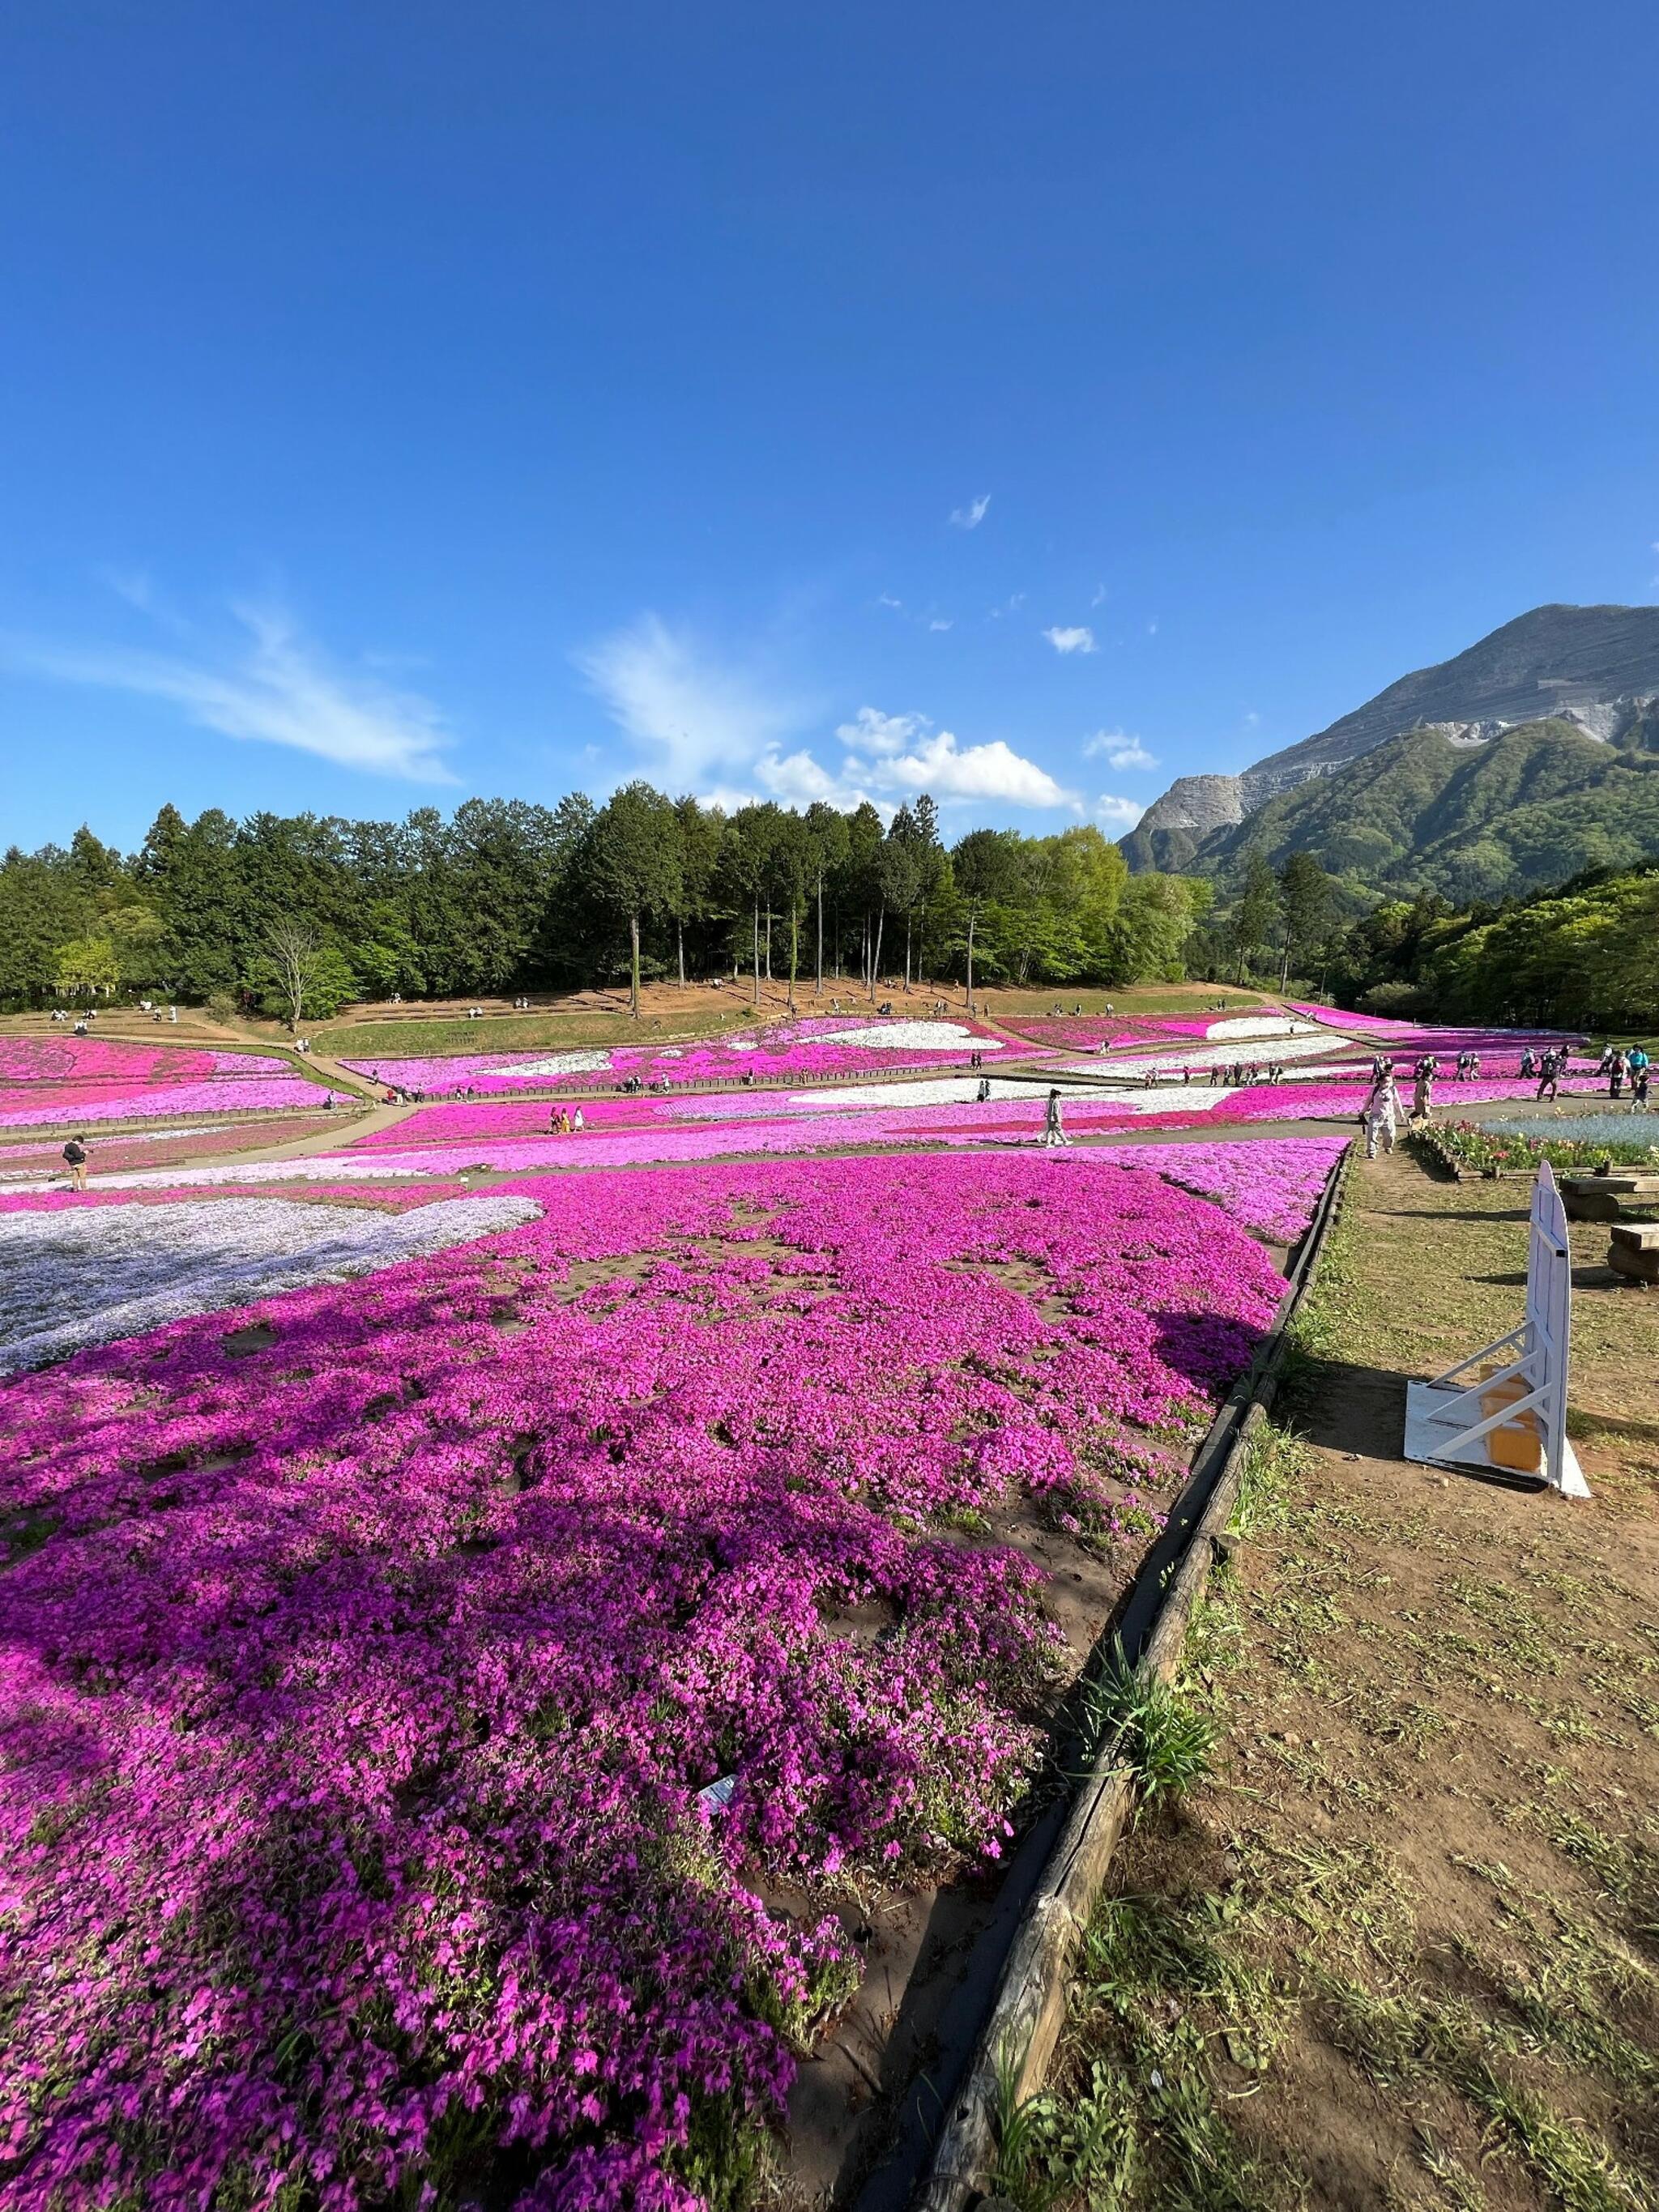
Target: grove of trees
pixel 300 914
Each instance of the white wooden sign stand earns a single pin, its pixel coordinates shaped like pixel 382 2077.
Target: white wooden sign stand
pixel 1452 1422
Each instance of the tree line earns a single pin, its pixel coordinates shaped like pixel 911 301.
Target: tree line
pixel 297 914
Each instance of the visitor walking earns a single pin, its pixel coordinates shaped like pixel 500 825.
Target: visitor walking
pixel 982 1095
pixel 1638 1085
pixel 75 1157
pixel 1423 1089
pixel 1381 1116
pixel 577 1124
pixel 1053 1128
pixel 1616 1075
pixel 1549 1075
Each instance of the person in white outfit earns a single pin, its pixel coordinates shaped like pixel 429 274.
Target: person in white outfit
pixel 1382 1114
pixel 1054 1129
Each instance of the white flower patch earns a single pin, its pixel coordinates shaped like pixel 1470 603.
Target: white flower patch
pixel 558 1063
pixel 1258 1025
pixel 911 1037
pixel 69 1279
pixel 309 1167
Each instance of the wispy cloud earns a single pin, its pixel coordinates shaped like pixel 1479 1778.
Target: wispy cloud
pixel 1118 813
pixel 696 714
pixel 1119 748
pixel 1078 638
pixel 1099 599
pixel 275 687
pixel 971 516
pixel 939 622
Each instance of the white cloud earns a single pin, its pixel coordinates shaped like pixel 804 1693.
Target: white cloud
pixel 1152 629
pixel 886 599
pixel 1120 813
pixel 276 688
pixel 905 757
pixel 1080 638
pixel 971 516
pixel 939 623
pixel 1099 599
pixel 1251 718
pixel 662 690
pixel 1119 749
pixel 870 730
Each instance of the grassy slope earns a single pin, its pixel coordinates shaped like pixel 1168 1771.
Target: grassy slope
pixel 1402 1948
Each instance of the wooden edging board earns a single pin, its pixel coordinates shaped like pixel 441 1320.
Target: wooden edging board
pixel 1019 2038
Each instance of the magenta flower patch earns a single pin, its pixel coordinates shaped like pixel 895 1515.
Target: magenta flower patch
pixel 372 1654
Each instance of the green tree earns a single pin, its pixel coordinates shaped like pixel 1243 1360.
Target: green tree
pixel 985 865
pixel 633 864
pixel 1257 909
pixel 1307 898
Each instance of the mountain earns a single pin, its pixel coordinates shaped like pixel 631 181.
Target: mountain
pixel 1432 812
pixel 1596 668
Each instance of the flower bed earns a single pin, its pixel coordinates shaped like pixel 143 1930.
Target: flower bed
pixel 1403 1036
pixel 1576 1141
pixel 72 1275
pixel 367 1660
pixel 819 1044
pixel 83 1104
pixel 122 1154
pixel 1271 1186
pixel 71 1059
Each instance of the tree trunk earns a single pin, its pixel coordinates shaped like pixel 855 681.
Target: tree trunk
pixel 634 964
pixel 679 947
pixel 795 949
pixel 757 953
pixel 875 960
pixel 818 988
pixel 769 944
pixel 971 920
pixel 907 956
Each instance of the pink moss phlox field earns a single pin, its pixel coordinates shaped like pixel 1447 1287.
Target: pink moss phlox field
pixel 783 1050
pixel 66 1105
pixel 1272 1186
pixel 117 1155
pixel 1088 1032
pixel 363 1667
pixel 1417 1036
pixel 94 1060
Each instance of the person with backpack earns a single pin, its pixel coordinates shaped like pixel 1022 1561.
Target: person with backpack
pixel 75 1157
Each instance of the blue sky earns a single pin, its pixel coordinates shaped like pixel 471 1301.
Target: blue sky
pixel 400 402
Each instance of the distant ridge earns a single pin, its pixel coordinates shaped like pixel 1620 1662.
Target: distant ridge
pixel 1593 670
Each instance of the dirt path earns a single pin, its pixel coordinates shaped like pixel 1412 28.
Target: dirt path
pixel 1402 1949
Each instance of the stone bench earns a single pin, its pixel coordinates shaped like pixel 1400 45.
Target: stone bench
pixel 1634 1251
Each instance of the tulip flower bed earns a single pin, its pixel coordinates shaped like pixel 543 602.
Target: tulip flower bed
pixel 372 1653
pixel 821 1044
pixel 1579 1141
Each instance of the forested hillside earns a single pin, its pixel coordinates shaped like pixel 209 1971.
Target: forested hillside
pixel 1424 815
pixel 506 895
pixel 1585 955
